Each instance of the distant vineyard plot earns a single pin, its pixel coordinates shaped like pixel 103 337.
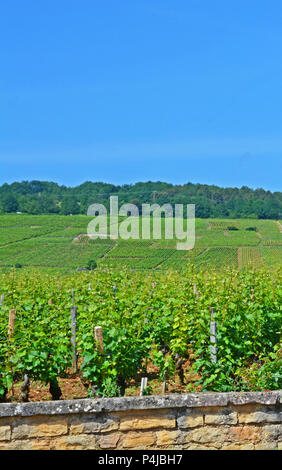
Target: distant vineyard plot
pixel 60 243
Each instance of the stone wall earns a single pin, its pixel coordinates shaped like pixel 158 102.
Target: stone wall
pixel 189 421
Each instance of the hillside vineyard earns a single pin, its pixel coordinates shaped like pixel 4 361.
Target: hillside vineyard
pixel 59 244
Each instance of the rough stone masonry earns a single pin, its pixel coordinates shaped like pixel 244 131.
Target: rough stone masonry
pixel 250 421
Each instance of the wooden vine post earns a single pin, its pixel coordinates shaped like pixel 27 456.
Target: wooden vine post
pixel 73 338
pixel 12 319
pixel 213 337
pixel 98 335
pixel 2 299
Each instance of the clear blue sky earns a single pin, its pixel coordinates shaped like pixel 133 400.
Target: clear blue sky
pixel 134 90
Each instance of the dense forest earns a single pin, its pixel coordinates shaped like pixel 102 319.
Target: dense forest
pixel 40 197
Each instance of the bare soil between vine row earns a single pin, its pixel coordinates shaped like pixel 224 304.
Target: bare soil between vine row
pixel 72 387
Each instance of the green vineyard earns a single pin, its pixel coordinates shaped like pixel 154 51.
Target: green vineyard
pixel 153 303
pixel 58 243
pixel 149 320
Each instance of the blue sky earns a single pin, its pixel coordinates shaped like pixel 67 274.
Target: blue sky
pixel 135 90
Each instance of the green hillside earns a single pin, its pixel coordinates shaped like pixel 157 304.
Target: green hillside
pixel 50 242
pixel 43 197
